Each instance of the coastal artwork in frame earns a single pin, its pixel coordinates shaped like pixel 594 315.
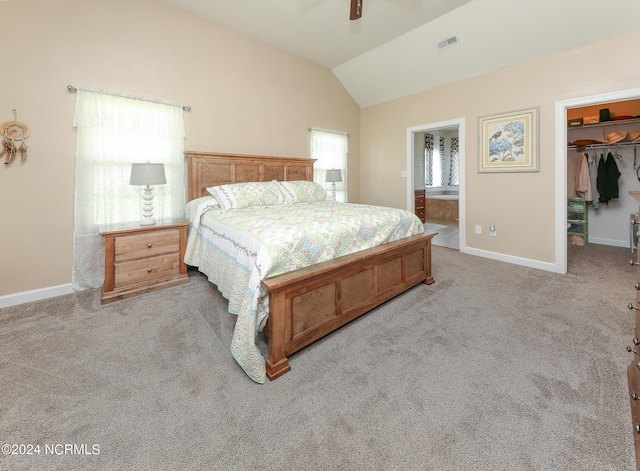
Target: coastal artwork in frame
pixel 509 142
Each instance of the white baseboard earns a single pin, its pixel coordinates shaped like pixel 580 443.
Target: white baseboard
pixel 23 297
pixel 526 262
pixel 612 242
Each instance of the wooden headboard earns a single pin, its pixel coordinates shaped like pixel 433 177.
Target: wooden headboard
pixel 207 169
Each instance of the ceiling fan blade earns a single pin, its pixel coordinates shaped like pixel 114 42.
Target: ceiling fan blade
pixel 356 9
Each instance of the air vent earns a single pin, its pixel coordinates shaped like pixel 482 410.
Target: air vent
pixel 447 42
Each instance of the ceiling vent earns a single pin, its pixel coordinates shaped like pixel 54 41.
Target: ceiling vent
pixel 447 42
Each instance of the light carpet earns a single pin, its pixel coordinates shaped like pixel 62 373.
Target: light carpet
pixel 493 367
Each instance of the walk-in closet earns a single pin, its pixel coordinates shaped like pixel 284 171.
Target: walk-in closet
pixel 603 166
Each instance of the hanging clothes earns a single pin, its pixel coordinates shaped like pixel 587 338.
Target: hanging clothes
pixel 607 180
pixel 593 175
pixel 601 180
pixel 583 180
pixel 613 174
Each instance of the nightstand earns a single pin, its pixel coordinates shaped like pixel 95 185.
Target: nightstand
pixel 139 259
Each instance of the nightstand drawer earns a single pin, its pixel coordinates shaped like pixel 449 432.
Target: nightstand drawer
pixel 146 244
pixel 146 269
pixel 139 259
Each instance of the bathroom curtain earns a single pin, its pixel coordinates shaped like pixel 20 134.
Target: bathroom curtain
pixel 434 161
pixel 454 163
pixel 443 165
pixel 428 159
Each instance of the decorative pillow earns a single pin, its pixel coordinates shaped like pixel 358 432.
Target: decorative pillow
pixel 301 191
pixel 241 195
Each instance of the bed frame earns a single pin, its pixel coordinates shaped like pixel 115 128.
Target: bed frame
pixel 309 303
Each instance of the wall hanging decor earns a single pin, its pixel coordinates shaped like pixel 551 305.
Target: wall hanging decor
pixel 13 133
pixel 509 142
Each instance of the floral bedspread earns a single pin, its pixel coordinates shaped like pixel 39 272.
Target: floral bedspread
pixel 238 248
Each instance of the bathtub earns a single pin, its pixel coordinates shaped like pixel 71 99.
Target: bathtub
pixel 444 197
pixel 441 205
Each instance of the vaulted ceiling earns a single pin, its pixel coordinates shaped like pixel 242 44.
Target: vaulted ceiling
pixel 391 51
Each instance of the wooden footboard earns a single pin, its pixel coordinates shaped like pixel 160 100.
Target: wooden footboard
pixel 309 303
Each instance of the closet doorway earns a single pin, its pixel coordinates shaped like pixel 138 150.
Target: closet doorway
pixel 610 223
pixel 444 200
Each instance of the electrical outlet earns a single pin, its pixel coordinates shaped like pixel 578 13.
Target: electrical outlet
pixel 478 229
pixel 492 230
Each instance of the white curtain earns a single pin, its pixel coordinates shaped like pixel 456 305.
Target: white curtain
pixel 331 149
pixel 113 132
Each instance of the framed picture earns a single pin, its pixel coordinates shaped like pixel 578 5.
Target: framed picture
pixel 509 142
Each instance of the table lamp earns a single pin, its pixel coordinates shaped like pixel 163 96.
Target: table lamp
pixel 147 174
pixel 332 176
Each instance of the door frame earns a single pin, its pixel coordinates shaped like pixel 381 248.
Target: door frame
pixel 561 162
pixel 440 126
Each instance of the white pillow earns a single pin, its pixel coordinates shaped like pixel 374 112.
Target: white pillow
pixel 242 195
pixel 301 191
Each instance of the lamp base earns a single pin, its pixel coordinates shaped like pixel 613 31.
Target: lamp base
pixel 147 207
pixel 147 222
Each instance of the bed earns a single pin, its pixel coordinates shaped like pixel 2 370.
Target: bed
pixel 298 300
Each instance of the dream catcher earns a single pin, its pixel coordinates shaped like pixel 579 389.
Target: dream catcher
pixel 13 134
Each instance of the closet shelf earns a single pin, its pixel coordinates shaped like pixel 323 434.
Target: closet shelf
pixel 606 123
pixel 608 146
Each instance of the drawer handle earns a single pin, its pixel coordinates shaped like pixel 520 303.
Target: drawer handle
pixel 150 245
pixel 629 349
pixel 632 263
pixel 149 270
pixel 634 396
pixel 631 306
pixel 637 427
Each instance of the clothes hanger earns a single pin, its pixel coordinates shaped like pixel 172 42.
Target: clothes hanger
pixel 618 156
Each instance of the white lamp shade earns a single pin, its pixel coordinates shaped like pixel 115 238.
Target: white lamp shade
pixel 333 175
pixel 147 174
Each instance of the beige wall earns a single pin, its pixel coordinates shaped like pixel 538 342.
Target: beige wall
pixel 521 205
pixel 250 98
pixel 246 98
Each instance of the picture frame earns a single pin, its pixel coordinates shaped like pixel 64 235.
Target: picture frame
pixel 509 142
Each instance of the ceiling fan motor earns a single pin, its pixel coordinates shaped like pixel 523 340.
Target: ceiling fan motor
pixel 356 9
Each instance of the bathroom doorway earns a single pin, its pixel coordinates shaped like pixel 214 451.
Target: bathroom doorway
pixel 435 164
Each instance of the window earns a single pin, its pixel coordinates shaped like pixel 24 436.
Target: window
pixel 330 149
pixel 113 132
pixel 441 162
